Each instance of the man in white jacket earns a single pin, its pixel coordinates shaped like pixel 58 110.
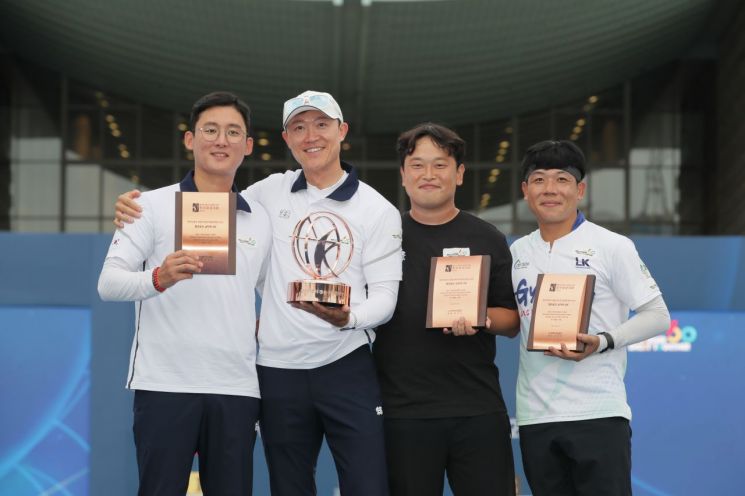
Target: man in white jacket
pixel 193 358
pixel 315 366
pixel 575 436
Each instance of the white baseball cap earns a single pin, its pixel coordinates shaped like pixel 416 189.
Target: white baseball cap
pixel 311 100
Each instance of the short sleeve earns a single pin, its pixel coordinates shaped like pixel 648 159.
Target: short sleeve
pixel 381 255
pixel 631 280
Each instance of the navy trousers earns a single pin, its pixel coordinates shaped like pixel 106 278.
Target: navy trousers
pixel 578 458
pixel 170 427
pixel 340 400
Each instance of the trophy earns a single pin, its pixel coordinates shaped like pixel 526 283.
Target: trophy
pixel 322 245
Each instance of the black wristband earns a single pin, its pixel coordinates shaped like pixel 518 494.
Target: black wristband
pixel 609 339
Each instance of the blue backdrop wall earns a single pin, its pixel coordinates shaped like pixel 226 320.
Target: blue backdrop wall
pixel 66 419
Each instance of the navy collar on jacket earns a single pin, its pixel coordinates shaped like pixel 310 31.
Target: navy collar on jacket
pixel 579 220
pixel 343 193
pixel 188 184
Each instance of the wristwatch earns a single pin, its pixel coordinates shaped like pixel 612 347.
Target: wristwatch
pixel 609 339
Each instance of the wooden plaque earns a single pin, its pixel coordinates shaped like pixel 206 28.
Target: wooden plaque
pixel 205 226
pixel 561 310
pixel 458 288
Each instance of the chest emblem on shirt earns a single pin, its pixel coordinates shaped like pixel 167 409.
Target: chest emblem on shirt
pixel 519 264
pixel 645 270
pixel 587 252
pixel 247 241
pixel 524 293
pixel 284 214
pixel 582 263
pixel 456 252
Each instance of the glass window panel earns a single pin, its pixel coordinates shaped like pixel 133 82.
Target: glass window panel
pixel 532 129
pixel 353 149
pixel 115 182
pixel 154 176
pixel 495 142
pixel 523 211
pixel 42 150
pixel 83 135
pixel 160 133
pixel 524 227
pixel 32 224
pixel 120 133
pixel 34 121
pixel 382 147
pixel 82 190
pixel 269 147
pixel 494 198
pixel 79 94
pixel 654 179
pixel 607 139
pixel 572 125
pixel 605 188
pixel 467 133
pixel 84 225
pixel 34 186
pixel 385 181
pixel 493 194
pixel 654 195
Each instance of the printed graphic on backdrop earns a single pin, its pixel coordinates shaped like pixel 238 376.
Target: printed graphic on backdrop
pixel 44 378
pixel 679 337
pixel 687 399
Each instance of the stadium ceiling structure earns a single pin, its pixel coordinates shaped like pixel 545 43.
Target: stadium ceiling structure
pixel 389 63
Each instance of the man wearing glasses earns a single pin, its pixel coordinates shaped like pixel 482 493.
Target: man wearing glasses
pixel 315 367
pixel 192 366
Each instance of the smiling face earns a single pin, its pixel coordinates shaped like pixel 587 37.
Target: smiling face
pixel 219 157
pixel 430 176
pixel 553 196
pixel 315 141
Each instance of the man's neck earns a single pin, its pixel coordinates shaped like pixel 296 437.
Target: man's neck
pixel 552 232
pixel 434 217
pixel 325 178
pixel 212 184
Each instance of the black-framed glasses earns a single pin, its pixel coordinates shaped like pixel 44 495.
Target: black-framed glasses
pixel 232 134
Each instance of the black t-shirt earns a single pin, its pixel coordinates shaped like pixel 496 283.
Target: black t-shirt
pixel 427 374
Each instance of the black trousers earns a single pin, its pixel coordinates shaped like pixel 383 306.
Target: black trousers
pixel 170 427
pixel 475 452
pixel 580 458
pixel 340 400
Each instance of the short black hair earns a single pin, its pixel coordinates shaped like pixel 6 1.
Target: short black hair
pixel 444 137
pixel 550 154
pixel 220 99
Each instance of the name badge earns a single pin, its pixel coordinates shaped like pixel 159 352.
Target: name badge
pixel 456 252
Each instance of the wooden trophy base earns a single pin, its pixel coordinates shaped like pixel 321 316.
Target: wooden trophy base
pixel 323 292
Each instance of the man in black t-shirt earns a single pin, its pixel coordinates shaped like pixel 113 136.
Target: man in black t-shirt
pixel 444 411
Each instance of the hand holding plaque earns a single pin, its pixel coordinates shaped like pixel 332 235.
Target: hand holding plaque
pixel 561 310
pixel 322 245
pixel 458 288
